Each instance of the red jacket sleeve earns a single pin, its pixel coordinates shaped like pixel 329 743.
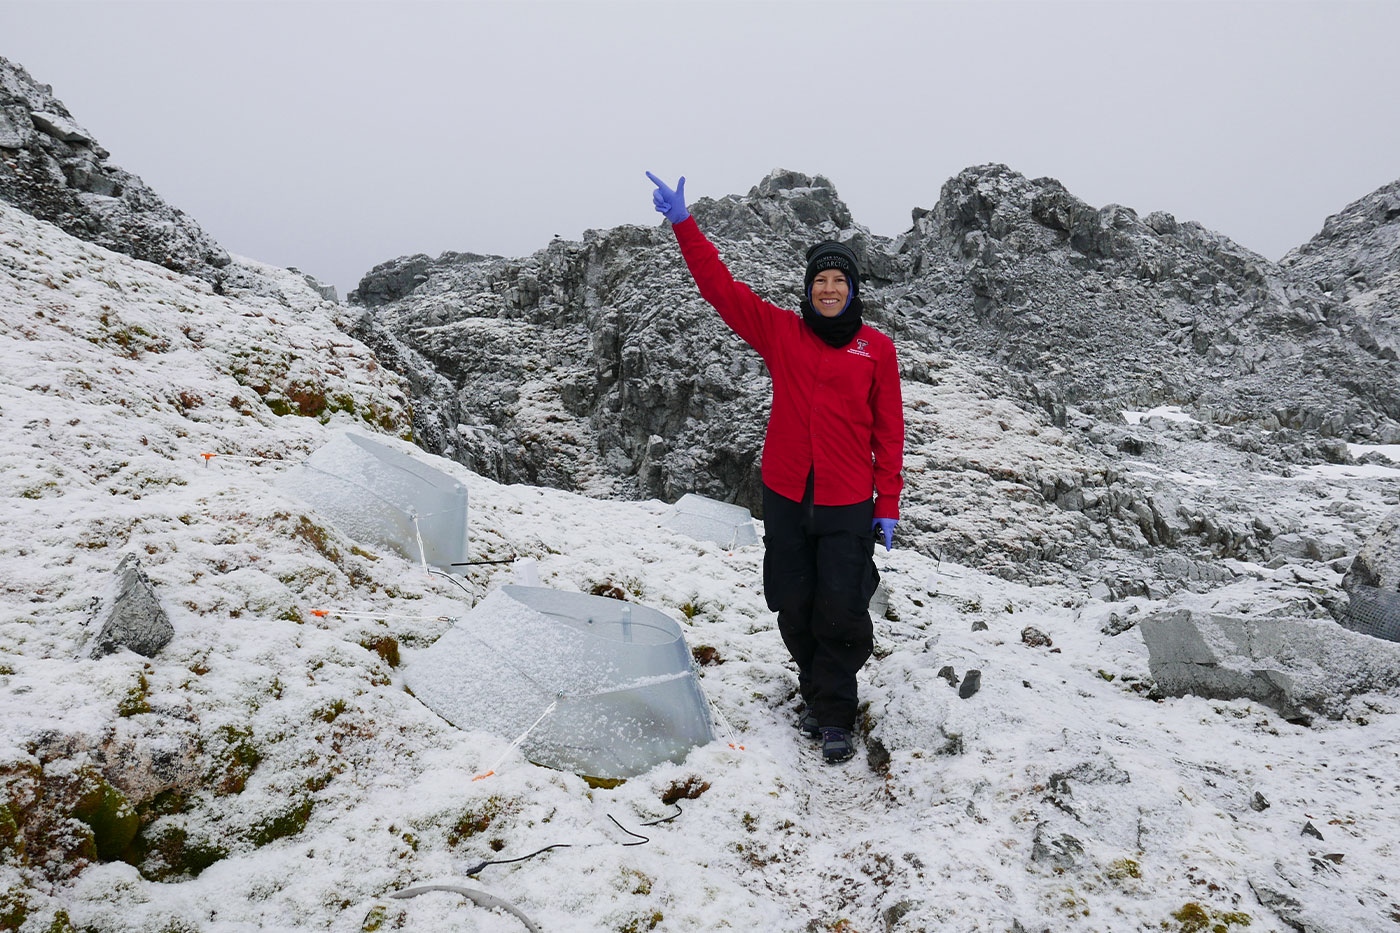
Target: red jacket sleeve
pixel 887 435
pixel 749 316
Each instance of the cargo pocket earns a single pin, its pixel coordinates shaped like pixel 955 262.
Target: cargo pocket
pixel 788 577
pixel 847 579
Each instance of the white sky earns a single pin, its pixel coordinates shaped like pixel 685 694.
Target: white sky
pixel 332 136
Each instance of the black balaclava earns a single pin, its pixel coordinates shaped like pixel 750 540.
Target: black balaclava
pixel 835 331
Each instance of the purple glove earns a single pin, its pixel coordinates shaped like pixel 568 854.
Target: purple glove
pixel 668 202
pixel 886 527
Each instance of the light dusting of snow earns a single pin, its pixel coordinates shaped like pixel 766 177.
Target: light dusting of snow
pixel 116 376
pixel 1167 412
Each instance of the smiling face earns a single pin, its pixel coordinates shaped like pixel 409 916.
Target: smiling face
pixel 830 292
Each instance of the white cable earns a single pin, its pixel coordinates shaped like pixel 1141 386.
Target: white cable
pixel 513 745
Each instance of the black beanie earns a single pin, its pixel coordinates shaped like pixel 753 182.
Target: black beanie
pixel 831 255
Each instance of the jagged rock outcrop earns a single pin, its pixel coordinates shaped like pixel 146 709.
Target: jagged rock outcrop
pixel 595 366
pixel 1355 262
pixel 52 168
pixel 392 280
pixel 1103 309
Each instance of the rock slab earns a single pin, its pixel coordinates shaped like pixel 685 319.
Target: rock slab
pixel 1301 667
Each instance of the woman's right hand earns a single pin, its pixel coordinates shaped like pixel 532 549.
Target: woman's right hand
pixel 668 201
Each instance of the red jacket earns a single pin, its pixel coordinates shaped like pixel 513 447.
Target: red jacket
pixel 836 412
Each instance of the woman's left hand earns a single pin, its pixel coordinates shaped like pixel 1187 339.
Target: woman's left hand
pixel 886 527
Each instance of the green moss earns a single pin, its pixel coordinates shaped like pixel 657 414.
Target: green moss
pixel 330 711
pixel 109 815
pixel 166 803
pixel 289 822
pixel 316 536
pixel 386 646
pixel 14 909
pixel 236 760
pixel 137 699
pixel 278 406
pixel 375 918
pixel 602 783
pixel 11 839
pixel 475 821
pixel 168 854
pixel 1124 868
pixel 291 615
pixel 61 923
pixel 639 924
pixel 1196 918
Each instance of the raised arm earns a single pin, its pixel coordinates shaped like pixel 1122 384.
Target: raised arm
pixel 752 318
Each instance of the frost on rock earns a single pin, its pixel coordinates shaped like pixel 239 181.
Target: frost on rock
pixel 130 615
pixel 1301 667
pixel 707 519
pixel 603 687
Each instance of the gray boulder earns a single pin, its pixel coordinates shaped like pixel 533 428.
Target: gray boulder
pixel 1372 584
pixel 52 168
pixel 1377 564
pixel 1301 667
pixel 130 615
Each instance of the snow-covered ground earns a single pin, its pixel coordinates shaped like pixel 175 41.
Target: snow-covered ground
pixel 1059 797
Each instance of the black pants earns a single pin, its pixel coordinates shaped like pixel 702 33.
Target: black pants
pixel 818 576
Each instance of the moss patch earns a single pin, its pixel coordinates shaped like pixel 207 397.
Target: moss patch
pixel 688 789
pixel 137 699
pixel 169 854
pixel 1197 918
pixel 386 646
pixel 109 815
pixel 289 822
pixel 235 761
pixel 474 821
pixel 14 909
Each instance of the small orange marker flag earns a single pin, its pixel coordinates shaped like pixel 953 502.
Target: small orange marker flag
pixel 482 776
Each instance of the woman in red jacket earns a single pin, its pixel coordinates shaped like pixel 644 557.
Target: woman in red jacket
pixel 831 463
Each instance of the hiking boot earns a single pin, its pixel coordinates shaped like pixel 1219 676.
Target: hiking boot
pixel 808 725
pixel 836 745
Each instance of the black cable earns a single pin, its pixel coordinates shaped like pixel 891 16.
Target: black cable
pixel 667 819
pixel 629 832
pixel 476 869
pixel 473 563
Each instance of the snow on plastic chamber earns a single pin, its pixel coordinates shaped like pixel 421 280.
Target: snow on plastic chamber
pixel 604 688
pixel 380 496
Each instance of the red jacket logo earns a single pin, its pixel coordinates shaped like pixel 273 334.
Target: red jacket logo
pixel 859 348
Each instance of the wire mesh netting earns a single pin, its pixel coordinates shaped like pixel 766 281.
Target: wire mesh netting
pixel 1373 611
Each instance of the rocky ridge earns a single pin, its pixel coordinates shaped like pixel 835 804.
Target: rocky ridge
pixel 1355 262
pixel 54 169
pixel 1026 321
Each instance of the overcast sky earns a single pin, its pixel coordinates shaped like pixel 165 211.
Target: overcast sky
pixel 332 136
